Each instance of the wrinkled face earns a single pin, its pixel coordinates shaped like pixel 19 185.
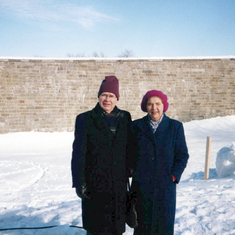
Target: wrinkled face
pixel 107 101
pixel 155 108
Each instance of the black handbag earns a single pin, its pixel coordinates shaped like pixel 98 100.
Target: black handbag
pixel 131 214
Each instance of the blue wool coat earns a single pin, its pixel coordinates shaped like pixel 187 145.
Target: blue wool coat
pixel 158 157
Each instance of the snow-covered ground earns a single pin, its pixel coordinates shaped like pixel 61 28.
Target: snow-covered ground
pixel 35 183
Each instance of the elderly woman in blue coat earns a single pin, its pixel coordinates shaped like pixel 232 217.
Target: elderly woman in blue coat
pixel 161 157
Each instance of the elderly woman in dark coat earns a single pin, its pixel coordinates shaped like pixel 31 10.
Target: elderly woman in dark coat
pixel 161 157
pixel 99 162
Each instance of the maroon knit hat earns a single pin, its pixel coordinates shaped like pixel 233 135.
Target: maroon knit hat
pixel 152 93
pixel 110 84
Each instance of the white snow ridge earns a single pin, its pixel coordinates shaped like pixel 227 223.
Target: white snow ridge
pixel 225 162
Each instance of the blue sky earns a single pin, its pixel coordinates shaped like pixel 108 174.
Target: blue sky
pixel 147 28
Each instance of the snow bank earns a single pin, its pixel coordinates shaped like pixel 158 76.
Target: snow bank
pixel 225 161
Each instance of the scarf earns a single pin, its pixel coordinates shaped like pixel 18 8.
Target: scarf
pixel 154 125
pixel 111 119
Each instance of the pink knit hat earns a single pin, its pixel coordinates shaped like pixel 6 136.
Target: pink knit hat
pixel 152 93
pixel 110 84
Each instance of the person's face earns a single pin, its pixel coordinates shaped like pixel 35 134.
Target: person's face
pixel 107 101
pixel 155 108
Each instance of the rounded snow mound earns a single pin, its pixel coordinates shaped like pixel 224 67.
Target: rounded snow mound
pixel 225 161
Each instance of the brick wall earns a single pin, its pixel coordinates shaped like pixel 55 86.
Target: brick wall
pixel 47 94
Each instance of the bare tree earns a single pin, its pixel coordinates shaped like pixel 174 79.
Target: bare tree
pixel 95 54
pixel 77 55
pixel 101 54
pixel 126 53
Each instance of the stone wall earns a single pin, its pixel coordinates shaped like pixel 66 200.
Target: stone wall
pixel 47 94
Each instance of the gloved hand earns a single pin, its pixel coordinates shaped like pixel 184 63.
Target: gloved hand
pixel 131 172
pixel 82 192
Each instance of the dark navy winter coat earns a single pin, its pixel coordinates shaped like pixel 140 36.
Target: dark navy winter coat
pixel 159 156
pixel 100 161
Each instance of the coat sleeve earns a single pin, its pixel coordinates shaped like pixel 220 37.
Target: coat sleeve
pixel 132 147
pixel 79 152
pixel 129 155
pixel 180 154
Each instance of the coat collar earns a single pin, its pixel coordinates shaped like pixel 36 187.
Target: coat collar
pixel 144 126
pixel 96 116
pixel 96 111
pixel 99 122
